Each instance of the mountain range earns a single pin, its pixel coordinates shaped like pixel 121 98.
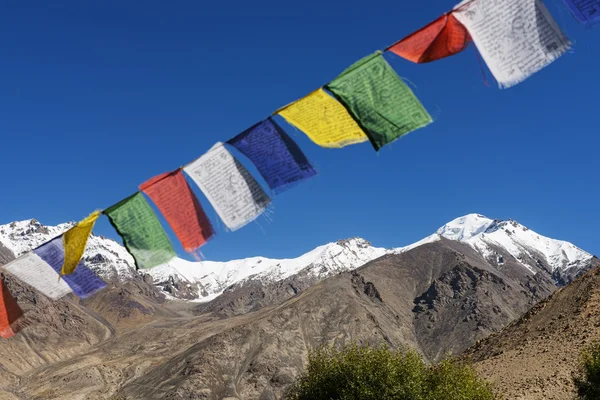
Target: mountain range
pixel 242 329
pixel 499 242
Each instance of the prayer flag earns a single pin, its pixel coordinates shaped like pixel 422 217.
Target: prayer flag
pixel 10 312
pixel 324 120
pixel 232 191
pixel 442 38
pixel 586 11
pixel 75 240
pixel 7 333
pixel 37 273
pixel 516 38
pixel 180 207
pixel 143 236
pixel 379 100
pixel 276 156
pixel 82 281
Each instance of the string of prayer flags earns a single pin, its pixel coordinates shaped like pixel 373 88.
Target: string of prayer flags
pixel 276 156
pixel 230 188
pixel 324 120
pixel 83 282
pixel 10 312
pixel 586 11
pixel 516 38
pixel 35 272
pixel 143 235
pixel 379 100
pixel 75 240
pixel 180 207
pixel 443 37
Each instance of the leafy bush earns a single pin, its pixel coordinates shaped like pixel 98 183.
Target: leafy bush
pixel 452 380
pixel 587 379
pixel 378 373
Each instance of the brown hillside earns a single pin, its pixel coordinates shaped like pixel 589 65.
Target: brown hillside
pixel 440 290
pixel 129 342
pixel 534 357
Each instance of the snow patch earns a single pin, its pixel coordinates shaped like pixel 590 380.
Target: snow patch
pixel 466 227
pixel 212 278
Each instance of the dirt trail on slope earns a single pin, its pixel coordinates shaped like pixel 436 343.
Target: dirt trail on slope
pixel 120 360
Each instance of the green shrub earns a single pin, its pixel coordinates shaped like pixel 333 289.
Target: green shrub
pixel 378 373
pixel 587 379
pixel 453 380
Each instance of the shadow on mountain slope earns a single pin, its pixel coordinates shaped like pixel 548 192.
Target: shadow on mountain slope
pixel 440 297
pixel 437 298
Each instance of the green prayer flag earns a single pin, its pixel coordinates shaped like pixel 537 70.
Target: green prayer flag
pixel 382 104
pixel 142 233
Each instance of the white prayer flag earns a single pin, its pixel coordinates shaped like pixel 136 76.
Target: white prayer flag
pixel 233 192
pixel 516 38
pixel 35 272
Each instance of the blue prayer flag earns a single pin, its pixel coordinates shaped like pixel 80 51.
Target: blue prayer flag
pixel 82 281
pixel 586 11
pixel 276 156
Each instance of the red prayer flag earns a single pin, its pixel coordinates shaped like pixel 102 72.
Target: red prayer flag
pixel 10 312
pixel 443 37
pixel 180 207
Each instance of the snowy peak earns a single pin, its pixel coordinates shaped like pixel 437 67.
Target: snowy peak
pixel 532 250
pixel 104 256
pixel 208 279
pixel 22 236
pixel 465 227
pixel 344 255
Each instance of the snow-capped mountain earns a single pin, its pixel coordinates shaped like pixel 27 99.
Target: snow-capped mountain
pixel 204 280
pixel 494 238
pixel 212 278
pixel 106 257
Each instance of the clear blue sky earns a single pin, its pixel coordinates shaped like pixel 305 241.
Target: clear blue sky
pixel 96 97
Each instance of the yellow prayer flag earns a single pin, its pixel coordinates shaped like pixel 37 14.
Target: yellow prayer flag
pixel 324 120
pixel 74 242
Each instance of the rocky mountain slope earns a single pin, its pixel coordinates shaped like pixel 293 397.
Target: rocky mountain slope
pixel 130 341
pixel 507 246
pixel 534 357
pixel 439 297
pixel 53 332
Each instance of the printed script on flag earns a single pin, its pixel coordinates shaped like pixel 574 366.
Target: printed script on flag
pixel 143 235
pixel 324 120
pixel 516 38
pixel 82 281
pixel 586 11
pixel 180 207
pixel 37 273
pixel 277 157
pixel 232 191
pixel 441 38
pixel 379 100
